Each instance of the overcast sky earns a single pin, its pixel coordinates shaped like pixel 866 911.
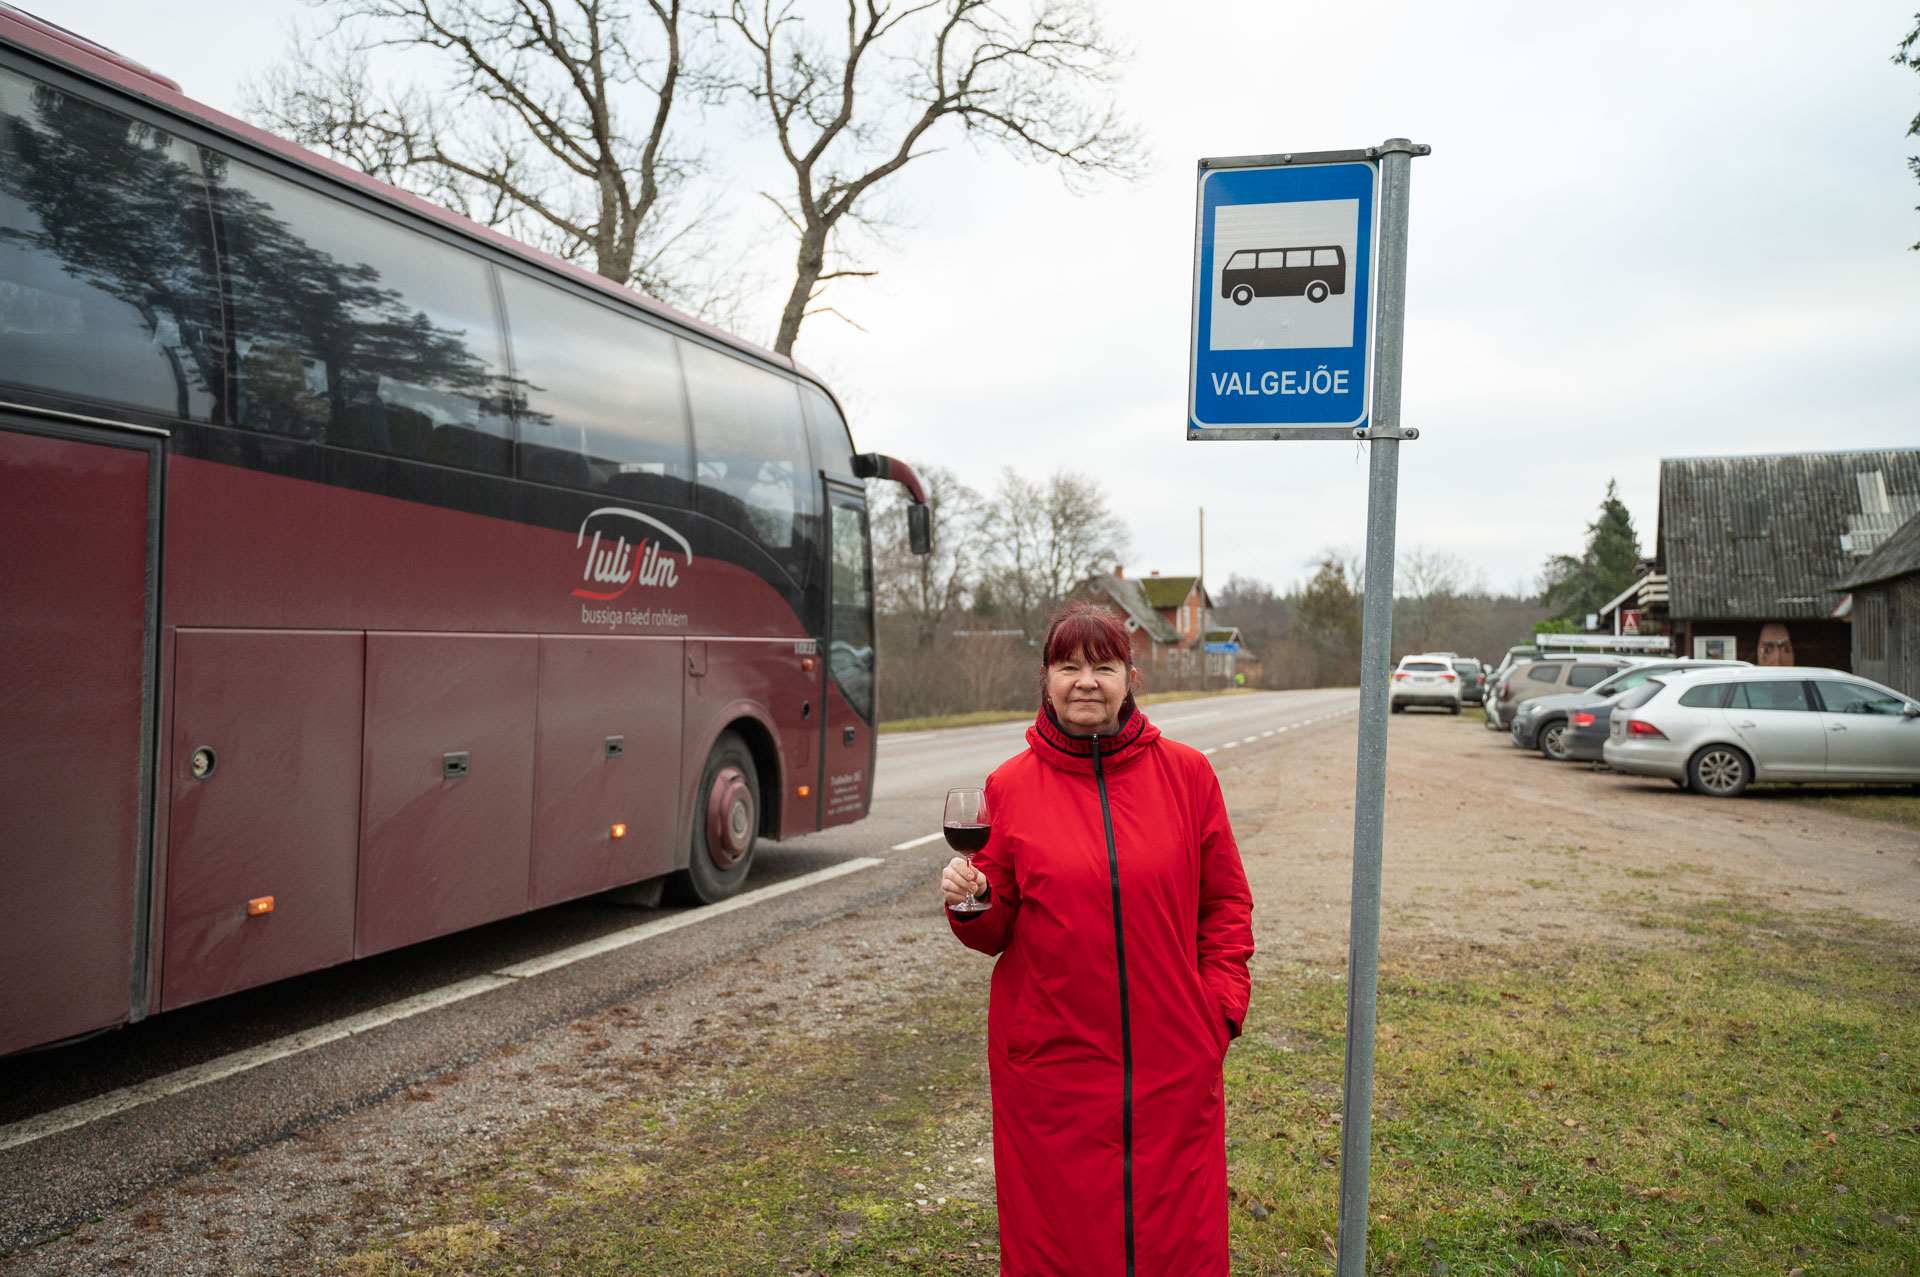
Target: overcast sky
pixel 1646 230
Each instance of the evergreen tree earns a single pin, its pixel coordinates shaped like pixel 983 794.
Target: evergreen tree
pixel 1575 587
pixel 1328 621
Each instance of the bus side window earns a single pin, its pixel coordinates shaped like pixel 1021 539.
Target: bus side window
pixel 832 444
pixel 1271 261
pixel 1326 257
pixel 602 405
pixel 1299 257
pixel 350 330
pixel 107 284
pixel 850 626
pixel 754 471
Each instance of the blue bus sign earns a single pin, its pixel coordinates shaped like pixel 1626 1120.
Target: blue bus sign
pixel 1283 297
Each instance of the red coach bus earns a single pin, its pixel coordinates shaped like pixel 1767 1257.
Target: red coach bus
pixel 366 575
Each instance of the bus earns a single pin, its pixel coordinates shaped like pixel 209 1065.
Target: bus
pixel 367 575
pixel 1311 272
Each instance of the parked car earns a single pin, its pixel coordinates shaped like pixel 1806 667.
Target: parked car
pixel 1718 731
pixel 1427 679
pixel 1473 681
pixel 1549 676
pixel 1573 725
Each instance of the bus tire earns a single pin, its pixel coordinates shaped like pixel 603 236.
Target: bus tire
pixel 1242 295
pixel 726 826
pixel 1317 291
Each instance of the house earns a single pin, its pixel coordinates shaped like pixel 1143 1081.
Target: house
pixel 1165 615
pixel 1751 549
pixel 1886 610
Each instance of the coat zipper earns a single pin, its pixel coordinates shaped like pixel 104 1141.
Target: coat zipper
pixel 1126 1032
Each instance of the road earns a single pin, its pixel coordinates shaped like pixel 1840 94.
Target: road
pixel 91 1126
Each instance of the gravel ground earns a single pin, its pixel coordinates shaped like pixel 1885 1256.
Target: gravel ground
pixel 1484 846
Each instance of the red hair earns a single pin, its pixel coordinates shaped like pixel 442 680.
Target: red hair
pixel 1089 630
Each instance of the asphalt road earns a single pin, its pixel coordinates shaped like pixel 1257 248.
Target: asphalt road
pixel 104 1158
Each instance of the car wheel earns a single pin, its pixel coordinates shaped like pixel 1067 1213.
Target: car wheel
pixel 1719 771
pixel 1242 295
pixel 1454 709
pixel 726 826
pixel 1553 741
pixel 1316 291
pixel 1396 706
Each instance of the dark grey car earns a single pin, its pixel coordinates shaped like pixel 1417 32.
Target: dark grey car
pixel 1574 726
pixel 1473 681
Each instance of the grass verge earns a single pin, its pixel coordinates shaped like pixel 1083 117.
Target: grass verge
pixel 976 719
pixel 1741 1096
pixel 1889 805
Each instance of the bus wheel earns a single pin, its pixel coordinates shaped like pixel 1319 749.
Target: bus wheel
pixel 1316 291
pixel 726 820
pixel 1242 295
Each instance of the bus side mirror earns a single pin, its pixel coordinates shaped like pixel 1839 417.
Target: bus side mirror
pixel 920 528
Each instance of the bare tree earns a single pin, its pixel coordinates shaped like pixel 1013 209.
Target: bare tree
pixel 927 590
pixel 527 134
pixel 1048 537
pixel 1434 585
pixel 849 113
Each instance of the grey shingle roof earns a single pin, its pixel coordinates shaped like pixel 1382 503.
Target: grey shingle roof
pixel 1898 555
pixel 1760 537
pixel 1133 601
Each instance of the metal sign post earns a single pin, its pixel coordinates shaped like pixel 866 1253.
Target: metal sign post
pixel 1280 237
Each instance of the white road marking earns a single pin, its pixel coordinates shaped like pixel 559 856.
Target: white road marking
pixel 1248 740
pixel 1232 744
pixel 1190 718
pixel 1270 731
pixel 911 843
pixel 1214 750
pixel 131 1097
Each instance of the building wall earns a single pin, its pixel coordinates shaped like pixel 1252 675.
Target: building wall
pixel 1886 633
pixel 1828 644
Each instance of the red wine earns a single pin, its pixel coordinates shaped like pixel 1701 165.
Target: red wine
pixel 966 839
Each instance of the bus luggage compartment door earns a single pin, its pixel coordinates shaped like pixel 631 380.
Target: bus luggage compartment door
pixel 78 512
pixel 263 828
pixel 446 803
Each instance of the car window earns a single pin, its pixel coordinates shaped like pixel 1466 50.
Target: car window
pixel 1425 667
pixel 1705 696
pixel 1858 698
pixel 1641 695
pixel 1770 695
pixel 1587 675
pixel 1469 668
pixel 1625 682
pixel 1544 674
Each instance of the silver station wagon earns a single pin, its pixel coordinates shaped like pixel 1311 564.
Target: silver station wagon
pixel 1719 730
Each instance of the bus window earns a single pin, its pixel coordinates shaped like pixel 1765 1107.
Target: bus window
pixel 1299 257
pixel 350 330
pixel 107 288
pixel 602 406
pixel 1326 257
pixel 1269 261
pixel 832 445
pixel 850 632
pixel 754 472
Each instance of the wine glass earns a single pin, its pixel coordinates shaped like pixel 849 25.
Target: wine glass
pixel 966 825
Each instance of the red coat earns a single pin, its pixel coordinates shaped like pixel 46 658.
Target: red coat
pixel 1122 977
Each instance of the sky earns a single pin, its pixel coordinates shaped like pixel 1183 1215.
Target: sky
pixel 1646 230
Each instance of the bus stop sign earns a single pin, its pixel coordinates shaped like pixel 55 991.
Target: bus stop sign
pixel 1284 256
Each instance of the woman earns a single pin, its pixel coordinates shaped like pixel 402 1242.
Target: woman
pixel 1123 925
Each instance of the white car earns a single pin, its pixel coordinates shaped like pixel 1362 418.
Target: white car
pixel 1427 679
pixel 1718 731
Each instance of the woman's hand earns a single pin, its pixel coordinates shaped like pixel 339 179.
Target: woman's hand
pixel 960 880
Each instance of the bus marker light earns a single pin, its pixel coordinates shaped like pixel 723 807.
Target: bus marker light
pixel 806 663
pixel 619 831
pixel 805 790
pixel 259 905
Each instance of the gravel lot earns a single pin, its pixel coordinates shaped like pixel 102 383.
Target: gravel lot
pixel 1484 846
